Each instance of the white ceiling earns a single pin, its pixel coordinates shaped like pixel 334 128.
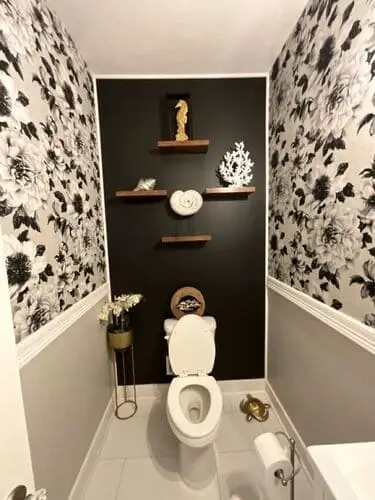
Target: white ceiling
pixel 179 36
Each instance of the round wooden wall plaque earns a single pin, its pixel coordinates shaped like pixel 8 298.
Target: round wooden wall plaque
pixel 187 291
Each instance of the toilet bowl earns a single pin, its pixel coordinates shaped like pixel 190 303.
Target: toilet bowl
pixel 194 407
pixel 194 400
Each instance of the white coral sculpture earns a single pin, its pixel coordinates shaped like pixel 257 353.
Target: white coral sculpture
pixel 236 167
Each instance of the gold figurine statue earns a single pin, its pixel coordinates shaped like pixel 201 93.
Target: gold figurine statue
pixel 181 119
pixel 254 408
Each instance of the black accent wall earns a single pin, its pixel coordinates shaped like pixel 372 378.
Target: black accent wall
pixel 229 270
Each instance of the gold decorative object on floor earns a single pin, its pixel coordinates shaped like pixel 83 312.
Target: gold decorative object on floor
pixel 181 119
pixel 254 408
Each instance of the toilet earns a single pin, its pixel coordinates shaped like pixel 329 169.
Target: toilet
pixel 194 400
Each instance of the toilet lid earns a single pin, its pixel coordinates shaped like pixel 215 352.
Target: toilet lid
pixel 191 347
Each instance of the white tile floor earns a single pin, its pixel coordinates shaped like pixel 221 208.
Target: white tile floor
pixel 138 460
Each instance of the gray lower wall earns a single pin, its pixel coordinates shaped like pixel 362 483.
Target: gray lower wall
pixel 66 389
pixel 324 381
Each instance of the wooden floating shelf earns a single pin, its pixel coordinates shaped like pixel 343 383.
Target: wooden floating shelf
pixel 196 238
pixel 240 191
pixel 191 146
pixel 143 193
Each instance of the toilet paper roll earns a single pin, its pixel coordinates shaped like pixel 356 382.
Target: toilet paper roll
pixel 272 457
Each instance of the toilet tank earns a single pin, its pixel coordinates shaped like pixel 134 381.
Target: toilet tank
pixel 170 323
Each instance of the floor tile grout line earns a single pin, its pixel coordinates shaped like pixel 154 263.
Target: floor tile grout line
pixel 173 455
pixel 231 412
pixel 238 452
pixel 120 479
pixel 92 474
pixel 111 459
pixel 96 456
pixel 140 457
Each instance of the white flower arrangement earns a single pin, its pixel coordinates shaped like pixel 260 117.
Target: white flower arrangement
pixel 116 313
pixel 236 167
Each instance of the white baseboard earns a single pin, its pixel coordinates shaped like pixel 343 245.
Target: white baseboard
pixel 241 386
pixel 290 430
pixel 232 390
pixel 226 386
pixel 151 390
pixel 88 464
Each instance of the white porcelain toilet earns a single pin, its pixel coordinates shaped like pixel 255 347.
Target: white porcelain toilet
pixel 194 401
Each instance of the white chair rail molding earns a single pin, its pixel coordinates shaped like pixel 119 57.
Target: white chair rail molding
pixel 351 328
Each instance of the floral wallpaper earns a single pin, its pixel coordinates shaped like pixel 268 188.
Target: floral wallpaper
pixel 50 210
pixel 322 154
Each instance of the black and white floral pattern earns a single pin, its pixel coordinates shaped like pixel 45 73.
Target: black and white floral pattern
pixel 49 174
pixel 322 155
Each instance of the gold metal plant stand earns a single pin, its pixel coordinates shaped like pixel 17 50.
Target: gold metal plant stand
pixel 127 400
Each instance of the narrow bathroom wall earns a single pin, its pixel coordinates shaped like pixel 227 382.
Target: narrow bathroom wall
pixel 322 112
pixel 322 173
pixel 51 218
pixel 323 380
pixel 66 389
pixel 49 178
pixel 229 270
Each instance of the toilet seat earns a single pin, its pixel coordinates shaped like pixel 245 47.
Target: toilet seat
pixel 184 426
